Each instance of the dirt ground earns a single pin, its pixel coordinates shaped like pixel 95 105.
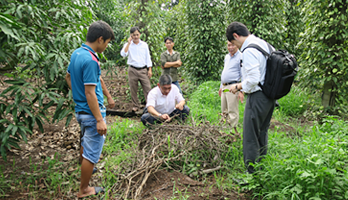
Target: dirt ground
pixel 56 138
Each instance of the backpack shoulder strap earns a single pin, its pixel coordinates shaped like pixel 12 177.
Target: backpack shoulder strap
pixel 255 46
pixel 270 48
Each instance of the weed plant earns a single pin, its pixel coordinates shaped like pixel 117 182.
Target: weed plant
pixel 122 136
pixel 205 103
pixel 311 167
pixel 295 103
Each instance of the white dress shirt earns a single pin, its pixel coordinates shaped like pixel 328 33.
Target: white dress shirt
pixel 232 69
pixel 254 64
pixel 138 54
pixel 164 104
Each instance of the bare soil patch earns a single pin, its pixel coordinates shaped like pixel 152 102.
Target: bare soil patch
pixel 58 143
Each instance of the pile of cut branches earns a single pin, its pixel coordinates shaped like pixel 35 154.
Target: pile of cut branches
pixel 171 146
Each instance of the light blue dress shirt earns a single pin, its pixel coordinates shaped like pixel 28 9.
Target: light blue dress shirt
pixel 254 64
pixel 232 69
pixel 138 54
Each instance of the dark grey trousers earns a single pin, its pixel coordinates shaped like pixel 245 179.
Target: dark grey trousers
pixel 257 116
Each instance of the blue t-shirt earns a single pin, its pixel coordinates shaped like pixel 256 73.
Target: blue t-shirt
pixel 84 70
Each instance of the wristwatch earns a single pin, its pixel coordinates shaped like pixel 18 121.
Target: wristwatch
pixel 160 115
pixel 237 87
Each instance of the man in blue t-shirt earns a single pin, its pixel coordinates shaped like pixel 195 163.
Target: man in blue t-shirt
pixel 83 77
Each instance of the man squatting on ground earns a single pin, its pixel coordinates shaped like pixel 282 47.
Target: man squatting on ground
pixel 258 109
pixel 231 74
pixel 83 77
pixel 170 61
pixel 139 61
pixel 164 102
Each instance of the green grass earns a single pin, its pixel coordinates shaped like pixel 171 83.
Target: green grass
pixel 312 165
pixel 205 103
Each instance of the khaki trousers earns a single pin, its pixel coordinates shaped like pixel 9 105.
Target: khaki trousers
pixel 229 104
pixel 135 75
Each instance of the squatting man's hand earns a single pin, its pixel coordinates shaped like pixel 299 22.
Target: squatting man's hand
pixel 179 106
pixel 165 117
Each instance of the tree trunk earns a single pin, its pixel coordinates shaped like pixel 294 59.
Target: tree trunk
pixel 328 98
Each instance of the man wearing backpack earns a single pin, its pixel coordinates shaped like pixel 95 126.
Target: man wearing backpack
pixel 259 108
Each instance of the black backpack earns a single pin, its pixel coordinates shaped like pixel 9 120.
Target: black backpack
pixel 281 69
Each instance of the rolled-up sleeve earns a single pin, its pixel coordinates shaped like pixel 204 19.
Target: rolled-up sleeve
pixel 148 57
pixel 178 95
pixel 151 99
pixel 251 66
pixel 123 53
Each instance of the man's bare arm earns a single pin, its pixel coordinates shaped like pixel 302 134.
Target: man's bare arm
pixel 92 101
pixel 68 80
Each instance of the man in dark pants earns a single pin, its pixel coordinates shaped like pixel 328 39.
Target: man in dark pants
pixel 259 108
pixel 140 65
pixel 164 102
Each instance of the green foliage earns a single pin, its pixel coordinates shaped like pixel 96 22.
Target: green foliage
pixel 205 101
pixel 112 13
pixel 21 107
pixel 311 167
pixel 40 36
pixel 265 19
pixel 294 26
pixel 325 48
pixel 295 103
pixel 205 39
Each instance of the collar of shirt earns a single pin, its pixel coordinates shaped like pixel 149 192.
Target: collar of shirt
pixel 169 53
pixel 164 104
pixel 88 48
pixel 234 55
pixel 247 41
pixel 140 42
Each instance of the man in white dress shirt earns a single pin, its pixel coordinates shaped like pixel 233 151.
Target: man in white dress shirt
pixel 258 109
pixel 231 74
pixel 140 65
pixel 164 102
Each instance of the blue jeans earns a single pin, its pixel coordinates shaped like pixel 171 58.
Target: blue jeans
pixel 177 84
pixel 91 141
pixel 148 118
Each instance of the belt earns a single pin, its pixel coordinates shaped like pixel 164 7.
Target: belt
pixel 83 113
pixel 233 82
pixel 138 68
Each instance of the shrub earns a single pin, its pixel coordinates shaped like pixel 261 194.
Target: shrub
pixel 295 103
pixel 312 167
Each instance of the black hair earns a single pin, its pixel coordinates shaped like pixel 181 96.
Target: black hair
pixel 168 38
pixel 133 29
pixel 236 27
pixel 98 29
pixel 165 80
